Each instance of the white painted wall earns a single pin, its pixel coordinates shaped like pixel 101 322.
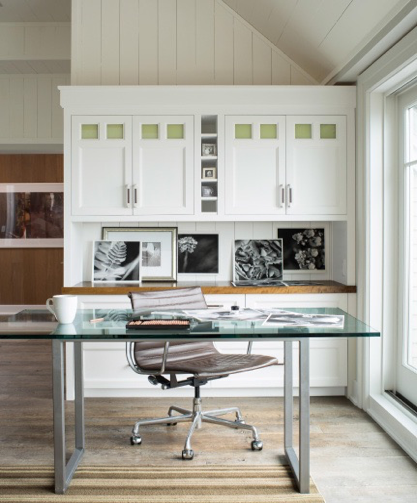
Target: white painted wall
pixel 36 41
pixel 30 109
pixel 172 42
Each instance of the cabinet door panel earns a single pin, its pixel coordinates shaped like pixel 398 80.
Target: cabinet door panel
pixel 163 165
pixel 255 170
pixel 316 165
pixel 101 165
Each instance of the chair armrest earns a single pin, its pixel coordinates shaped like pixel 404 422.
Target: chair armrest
pixel 134 366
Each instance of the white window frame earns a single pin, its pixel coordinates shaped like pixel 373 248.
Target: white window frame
pixel 377 210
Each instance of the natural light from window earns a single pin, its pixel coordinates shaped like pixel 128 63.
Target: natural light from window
pixel 411 167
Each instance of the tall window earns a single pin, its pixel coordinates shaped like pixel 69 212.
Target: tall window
pixel 410 165
pixel 406 364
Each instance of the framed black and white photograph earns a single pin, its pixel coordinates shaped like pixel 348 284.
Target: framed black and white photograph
pixel 117 261
pixel 31 215
pixel 198 253
pixel 258 260
pixel 159 249
pixel 304 249
pixel 208 149
pixel 209 173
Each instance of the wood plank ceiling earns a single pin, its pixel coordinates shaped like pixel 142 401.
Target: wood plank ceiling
pixel 321 36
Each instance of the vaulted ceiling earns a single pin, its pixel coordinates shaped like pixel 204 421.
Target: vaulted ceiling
pixel 332 40
pixel 327 37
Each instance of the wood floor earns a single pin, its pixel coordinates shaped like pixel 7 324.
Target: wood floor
pixel 352 459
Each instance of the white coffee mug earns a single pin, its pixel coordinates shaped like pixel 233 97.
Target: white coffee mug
pixel 64 307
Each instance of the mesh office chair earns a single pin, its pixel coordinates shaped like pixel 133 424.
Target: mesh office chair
pixel 200 359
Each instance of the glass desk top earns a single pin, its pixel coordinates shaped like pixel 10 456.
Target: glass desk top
pixel 41 324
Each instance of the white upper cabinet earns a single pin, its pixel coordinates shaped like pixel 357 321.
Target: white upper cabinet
pixel 316 165
pixel 101 165
pixel 254 165
pixel 285 165
pixel 124 166
pixel 163 173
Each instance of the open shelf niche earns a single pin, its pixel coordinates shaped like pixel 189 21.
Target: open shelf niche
pixel 209 165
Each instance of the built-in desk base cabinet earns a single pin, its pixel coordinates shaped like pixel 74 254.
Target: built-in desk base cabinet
pixel 106 372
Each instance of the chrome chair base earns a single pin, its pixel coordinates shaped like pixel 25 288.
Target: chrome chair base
pixel 197 417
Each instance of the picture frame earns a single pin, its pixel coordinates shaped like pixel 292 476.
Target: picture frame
pixel 198 253
pixel 117 261
pixel 159 249
pixel 210 173
pixel 304 249
pixel 258 260
pixel 208 149
pixel 31 215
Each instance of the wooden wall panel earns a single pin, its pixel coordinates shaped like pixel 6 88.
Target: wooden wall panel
pixel 36 168
pixel 173 42
pixel 30 275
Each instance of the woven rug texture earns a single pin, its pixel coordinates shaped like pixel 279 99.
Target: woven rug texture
pixel 199 484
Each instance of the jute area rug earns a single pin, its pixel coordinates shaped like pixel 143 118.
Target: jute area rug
pixel 200 484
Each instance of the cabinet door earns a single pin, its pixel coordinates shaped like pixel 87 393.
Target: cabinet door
pixel 255 165
pixel 101 165
pixel 163 165
pixel 316 165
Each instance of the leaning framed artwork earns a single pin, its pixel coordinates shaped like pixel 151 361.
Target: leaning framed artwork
pixel 258 260
pixel 31 215
pixel 198 253
pixel 158 248
pixel 117 261
pixel 304 249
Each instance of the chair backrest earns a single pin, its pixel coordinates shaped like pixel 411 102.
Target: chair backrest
pixel 149 353
pixel 176 298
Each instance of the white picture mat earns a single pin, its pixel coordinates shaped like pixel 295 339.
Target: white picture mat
pixel 163 237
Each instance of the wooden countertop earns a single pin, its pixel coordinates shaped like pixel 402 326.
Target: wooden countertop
pixel 214 288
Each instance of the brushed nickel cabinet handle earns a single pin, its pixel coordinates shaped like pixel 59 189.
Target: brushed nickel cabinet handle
pixel 128 195
pixel 289 199
pixel 281 195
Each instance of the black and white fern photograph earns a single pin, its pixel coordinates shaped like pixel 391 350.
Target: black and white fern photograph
pixel 117 261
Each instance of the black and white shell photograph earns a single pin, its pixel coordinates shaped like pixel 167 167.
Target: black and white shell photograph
pixel 258 259
pixel 198 253
pixel 117 261
pixel 304 249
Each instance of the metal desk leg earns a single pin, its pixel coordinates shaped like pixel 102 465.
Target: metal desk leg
pixel 65 471
pixel 300 466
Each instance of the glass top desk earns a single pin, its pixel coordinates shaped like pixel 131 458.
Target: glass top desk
pixel 36 324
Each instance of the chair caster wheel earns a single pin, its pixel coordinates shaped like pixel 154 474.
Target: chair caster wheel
pixel 172 424
pixel 257 445
pixel 187 454
pixel 135 440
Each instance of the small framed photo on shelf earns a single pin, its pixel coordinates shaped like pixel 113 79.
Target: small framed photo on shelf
pixel 158 249
pixel 209 173
pixel 208 149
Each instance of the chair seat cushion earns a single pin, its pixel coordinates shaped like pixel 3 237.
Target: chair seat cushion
pixel 219 364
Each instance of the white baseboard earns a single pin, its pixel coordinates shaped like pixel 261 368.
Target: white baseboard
pixel 399 425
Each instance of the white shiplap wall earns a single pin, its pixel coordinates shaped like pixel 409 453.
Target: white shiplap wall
pixel 30 109
pixel 172 42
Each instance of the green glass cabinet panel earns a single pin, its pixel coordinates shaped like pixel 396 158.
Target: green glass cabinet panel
pixel 268 131
pixel 115 131
pixel 150 131
pixel 89 131
pixel 175 131
pixel 243 131
pixel 328 131
pixel 303 131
